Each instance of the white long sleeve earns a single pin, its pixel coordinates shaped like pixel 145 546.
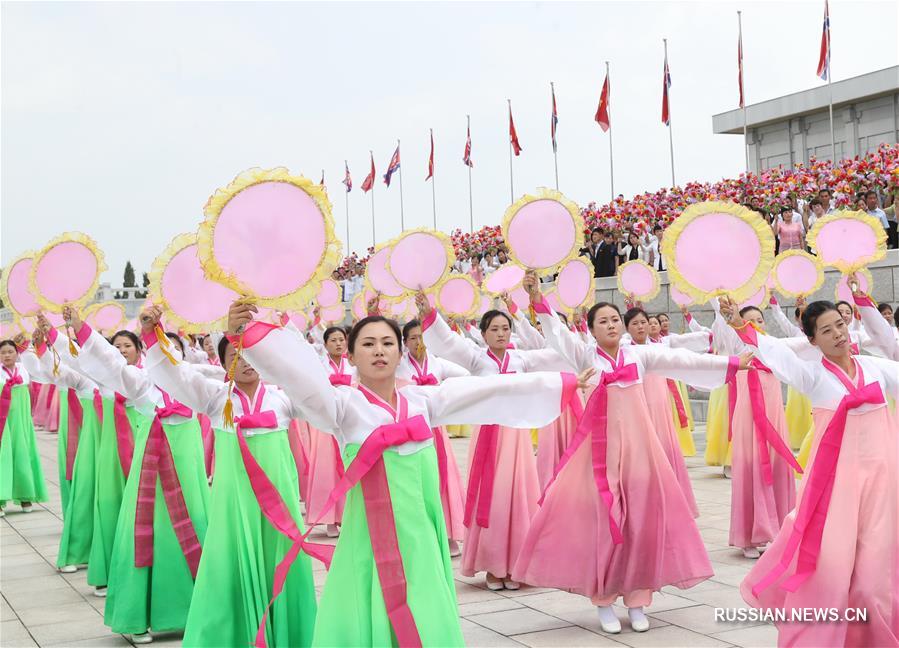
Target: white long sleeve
pixel 104 364
pixel 788 328
pixel 879 331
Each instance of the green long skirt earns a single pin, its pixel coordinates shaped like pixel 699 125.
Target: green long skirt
pixel 108 489
pixel 78 498
pixel 158 597
pixel 21 477
pixel 62 443
pixel 351 609
pixel 242 548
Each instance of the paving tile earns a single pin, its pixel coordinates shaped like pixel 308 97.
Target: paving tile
pixel 88 627
pixel 34 617
pixel 662 601
pixel 98 642
pixel 15 571
pixel 466 593
pixel 29 586
pixel 572 636
pixel 6 612
pixel 478 636
pixel 763 636
pixel 732 575
pixel 21 601
pixel 14 633
pixel 668 637
pixel 701 619
pixel 483 607
pixel 520 620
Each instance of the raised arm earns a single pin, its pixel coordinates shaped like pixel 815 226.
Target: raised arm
pixel 725 339
pixel 186 382
pixel 779 357
pixel 441 341
pixel 880 332
pixel 289 362
pixel 103 362
pixel 571 348
pixel 529 337
pixel 513 400
pixel 789 328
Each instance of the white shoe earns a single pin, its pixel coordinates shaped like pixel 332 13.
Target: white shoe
pixel 454 549
pixel 639 622
pixel 608 621
pixel 2 513
pixel 332 530
pixel 728 471
pixel 511 585
pixel 26 508
pixel 100 592
pixel 751 552
pixel 68 569
pixel 143 638
pixel 764 547
pixel 494 584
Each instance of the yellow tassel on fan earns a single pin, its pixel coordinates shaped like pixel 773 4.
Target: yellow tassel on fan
pixel 73 350
pixel 532 315
pixel 164 344
pixel 56 360
pixel 228 410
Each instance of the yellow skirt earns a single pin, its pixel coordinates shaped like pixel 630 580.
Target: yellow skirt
pixel 798 413
pixel 458 431
pixel 805 448
pixel 717 448
pixel 684 434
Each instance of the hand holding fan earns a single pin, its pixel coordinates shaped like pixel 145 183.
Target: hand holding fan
pixel 715 248
pixel 843 291
pixel 543 231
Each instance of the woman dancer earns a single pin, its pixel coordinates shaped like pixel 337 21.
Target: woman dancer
pixel 393 513
pixel 21 477
pixel 837 549
pixel 619 487
pixel 503 486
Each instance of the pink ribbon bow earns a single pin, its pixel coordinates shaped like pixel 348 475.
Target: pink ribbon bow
pixel 159 462
pixel 341 379
pixel 124 434
pixel 808 527
pixel 6 396
pixel 75 419
pixel 594 423
pixel 368 469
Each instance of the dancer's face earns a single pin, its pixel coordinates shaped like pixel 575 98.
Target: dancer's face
pixel 413 340
pixel 127 349
pixel 336 344
pixel 638 329
pixel 846 313
pixel 607 326
pixel 8 356
pixel 376 352
pixel 498 333
pixel 831 334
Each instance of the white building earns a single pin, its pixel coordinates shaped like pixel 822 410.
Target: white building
pixel 795 127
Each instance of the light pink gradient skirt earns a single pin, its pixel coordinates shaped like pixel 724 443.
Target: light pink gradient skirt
pixel 570 546
pixel 857 565
pixel 453 498
pixel 515 494
pixel 323 454
pixel 757 509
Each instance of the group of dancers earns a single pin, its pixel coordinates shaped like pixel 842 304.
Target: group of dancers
pixel 193 471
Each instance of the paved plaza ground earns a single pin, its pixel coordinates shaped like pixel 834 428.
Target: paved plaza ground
pixel 42 607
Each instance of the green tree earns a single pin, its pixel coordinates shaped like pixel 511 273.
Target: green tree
pixel 129 276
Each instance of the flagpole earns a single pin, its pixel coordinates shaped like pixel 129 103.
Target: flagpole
pixel 555 152
pixel 346 195
pixel 609 111
pixel 433 179
pixel 670 134
pixel 470 201
pixel 833 148
pixel 374 237
pixel 742 92
pixel 511 179
pixel 402 215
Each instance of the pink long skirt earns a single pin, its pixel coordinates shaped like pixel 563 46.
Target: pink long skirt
pixel 453 498
pixel 323 454
pixel 46 409
pixel 660 413
pixel 857 565
pixel 515 493
pixel 551 443
pixel 298 436
pixel 569 545
pixel 756 509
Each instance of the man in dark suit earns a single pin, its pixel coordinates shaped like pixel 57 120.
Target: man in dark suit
pixel 592 249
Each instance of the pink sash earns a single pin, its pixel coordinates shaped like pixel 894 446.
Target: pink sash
pixel 594 423
pixel 367 468
pixel 682 418
pixel 75 419
pixel 98 406
pixel 6 396
pixel 124 434
pixel 423 378
pixel 765 433
pixel 479 496
pixel 808 527
pixel 159 462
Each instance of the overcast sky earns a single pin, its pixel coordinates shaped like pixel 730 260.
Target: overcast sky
pixel 120 119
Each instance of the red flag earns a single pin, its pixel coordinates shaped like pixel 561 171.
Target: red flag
pixel 431 159
pixel 666 83
pixel 347 179
pixel 740 67
pixel 824 56
pixel 370 178
pixel 513 136
pixel 602 112
pixel 466 157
